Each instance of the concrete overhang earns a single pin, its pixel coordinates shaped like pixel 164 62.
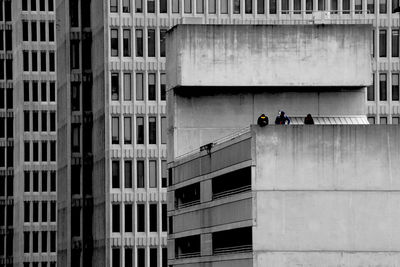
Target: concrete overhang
pixel 269 56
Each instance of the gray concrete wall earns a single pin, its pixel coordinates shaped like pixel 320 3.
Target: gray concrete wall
pixel 327 196
pixel 269 55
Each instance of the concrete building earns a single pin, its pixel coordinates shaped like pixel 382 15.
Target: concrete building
pixel 27 133
pixel 288 196
pixel 298 195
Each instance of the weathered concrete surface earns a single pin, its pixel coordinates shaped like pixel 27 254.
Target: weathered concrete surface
pixel 327 196
pixel 269 55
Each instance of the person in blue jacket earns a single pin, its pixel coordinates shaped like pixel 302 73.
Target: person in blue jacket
pixel 281 119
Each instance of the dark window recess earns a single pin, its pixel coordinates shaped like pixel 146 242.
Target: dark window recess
pixel 232 241
pixel 73 13
pixel 164 217
pixel 85 6
pixel 153 257
pixel 75 221
pixel 115 257
pixel 232 183
pixel 187 247
pixel 115 218
pixel 187 196
pixel 128 218
pixel 140 218
pixel 141 254
pixel 153 217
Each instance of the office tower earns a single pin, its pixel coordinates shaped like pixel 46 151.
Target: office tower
pixel 111 65
pixel 27 133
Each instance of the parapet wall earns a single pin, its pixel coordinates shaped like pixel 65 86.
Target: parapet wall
pixel 327 195
pixel 269 55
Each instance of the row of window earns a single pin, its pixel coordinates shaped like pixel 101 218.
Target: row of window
pixel 383 47
pixel 6 246
pixel 6 211
pixel 34 146
pixel 31 121
pixel 129 212
pixel 7 11
pixel 32 209
pixel 6 98
pixel 127 46
pixel 245 6
pixel 44 35
pixel 44 55
pixel 384 120
pixel 140 257
pixel 37 5
pixel 140 130
pixel 6 70
pixel 47 91
pixel 45 240
pixel 143 169
pixel 32 180
pixel 6 156
pixel 125 87
pixel 382 89
pixel 42 264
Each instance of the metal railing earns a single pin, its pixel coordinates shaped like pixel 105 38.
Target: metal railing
pixel 234 249
pixel 187 204
pixel 234 191
pixel 188 255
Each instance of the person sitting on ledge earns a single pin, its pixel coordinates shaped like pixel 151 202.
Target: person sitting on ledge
pixel 281 119
pixel 262 120
pixel 309 119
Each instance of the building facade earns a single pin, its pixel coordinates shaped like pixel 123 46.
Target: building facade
pixel 112 85
pixel 28 209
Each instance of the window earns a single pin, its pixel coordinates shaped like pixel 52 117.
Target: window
pixel 127 43
pixel 358 6
pixel 164 173
pixel 163 32
pixel 140 218
pixel 127 130
pixel 272 6
pixel 52 61
pixel 26 60
pixel 115 218
pixel 114 42
pixel 248 8
pixel 395 87
pixel 34 61
pixel 153 217
pixel 115 130
pixel 128 256
pixel 152 173
pixel 236 7
pixel 53 181
pixel 163 130
pixel 115 174
pixel 74 55
pixel 44 211
pixel 35 213
pixel 382 43
pixel 52 242
pixel 26 151
pixel 41 5
pixel 26 211
pixel 395 120
pixel 371 6
pixel 153 257
pixel 113 5
pixel 51 31
pixel 175 6
pixel 151 87
pixel 187 7
pixel 43 94
pixel 52 149
pixel 26 242
pixel 43 31
pixel 163 85
pixel 382 87
pixel 73 13
pixel 75 135
pixel 43 61
pixel 44 121
pixel 52 91
pixel 199 6
pixel 140 174
pixel 26 121
pixel 163 6
pixel 261 8
pixel 371 120
pixel 33 31
pixel 395 4
pixel 164 217
pixel 25 5
pixel 126 6
pixel 334 6
pixel 150 6
pixel 395 43
pixel 27 181
pixel 52 121
pixel 139 43
pixel 346 6
pixel 35 121
pixel 44 151
pixel 44 181
pixel 140 130
pixel 382 6
pixel 127 87
pixel 151 42
pixel 114 86
pixel 224 6
pixel 75 96
pixel 50 5
pixel 152 130
pixel 383 120
pixel 25 31
pixel 212 6
pixel 139 86
pixel 128 174
pixel 26 91
pixel 128 218
pixel 139 6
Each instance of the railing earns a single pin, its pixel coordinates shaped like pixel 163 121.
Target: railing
pixel 234 191
pixel 234 249
pixel 187 204
pixel 188 255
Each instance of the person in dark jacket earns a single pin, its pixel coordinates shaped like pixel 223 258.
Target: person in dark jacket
pixel 309 119
pixel 281 119
pixel 262 120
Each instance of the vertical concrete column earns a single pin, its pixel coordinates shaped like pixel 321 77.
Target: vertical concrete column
pixel 206 244
pixel 171 249
pixel 205 191
pixel 171 200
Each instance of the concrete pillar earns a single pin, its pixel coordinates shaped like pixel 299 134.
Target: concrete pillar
pixel 205 191
pixel 206 244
